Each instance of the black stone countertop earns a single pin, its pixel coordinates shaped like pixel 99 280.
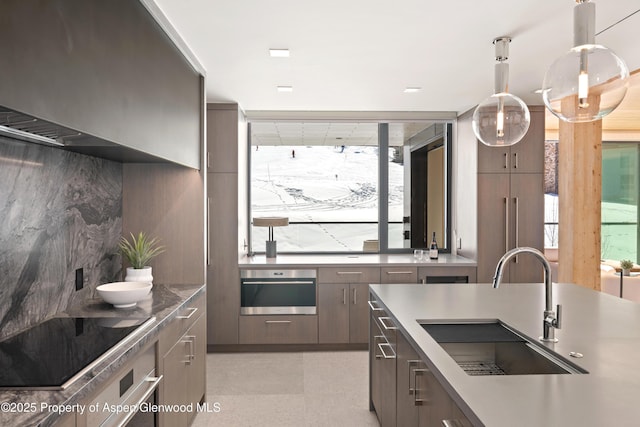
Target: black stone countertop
pixel 41 408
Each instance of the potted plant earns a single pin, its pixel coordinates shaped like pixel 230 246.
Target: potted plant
pixel 138 252
pixel 626 265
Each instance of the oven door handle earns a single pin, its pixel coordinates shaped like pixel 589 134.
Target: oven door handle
pixel 155 382
pixel 278 282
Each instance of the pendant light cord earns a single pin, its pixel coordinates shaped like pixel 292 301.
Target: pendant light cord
pixel 616 23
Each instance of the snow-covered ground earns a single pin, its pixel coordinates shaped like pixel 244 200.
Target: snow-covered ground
pixel 321 184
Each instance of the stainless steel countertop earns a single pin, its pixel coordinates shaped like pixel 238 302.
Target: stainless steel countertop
pixel 164 304
pixel 356 260
pixel 605 329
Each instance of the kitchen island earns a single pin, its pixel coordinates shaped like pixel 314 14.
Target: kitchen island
pixel 166 306
pixel 602 328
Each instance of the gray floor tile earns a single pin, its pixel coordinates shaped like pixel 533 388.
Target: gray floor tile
pixel 254 373
pixel 288 389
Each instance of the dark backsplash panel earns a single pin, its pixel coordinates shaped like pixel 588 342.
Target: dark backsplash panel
pixel 59 211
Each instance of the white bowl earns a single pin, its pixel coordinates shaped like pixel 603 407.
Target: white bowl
pixel 124 294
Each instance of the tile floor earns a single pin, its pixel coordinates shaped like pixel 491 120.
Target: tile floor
pixel 288 389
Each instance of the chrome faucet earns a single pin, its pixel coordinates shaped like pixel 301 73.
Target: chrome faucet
pixel 550 320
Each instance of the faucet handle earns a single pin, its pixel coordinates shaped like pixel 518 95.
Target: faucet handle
pixel 557 323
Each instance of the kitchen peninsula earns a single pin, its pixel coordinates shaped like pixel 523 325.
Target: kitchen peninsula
pixel 603 329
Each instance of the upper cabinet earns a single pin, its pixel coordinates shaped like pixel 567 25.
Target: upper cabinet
pixel 527 156
pixel 108 72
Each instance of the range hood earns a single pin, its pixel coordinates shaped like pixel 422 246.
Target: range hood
pixel 24 127
pixel 69 80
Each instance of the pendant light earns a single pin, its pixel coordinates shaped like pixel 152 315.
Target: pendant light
pixel 589 81
pixel 502 119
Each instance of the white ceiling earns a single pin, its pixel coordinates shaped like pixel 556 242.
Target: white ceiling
pixel 359 55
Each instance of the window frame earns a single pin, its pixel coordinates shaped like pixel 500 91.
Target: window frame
pixel 383 120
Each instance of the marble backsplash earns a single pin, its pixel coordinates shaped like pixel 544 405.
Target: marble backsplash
pixel 59 211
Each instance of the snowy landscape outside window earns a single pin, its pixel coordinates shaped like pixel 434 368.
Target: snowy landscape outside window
pixel 325 178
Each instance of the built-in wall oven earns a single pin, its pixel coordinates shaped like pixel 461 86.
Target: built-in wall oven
pixel 278 292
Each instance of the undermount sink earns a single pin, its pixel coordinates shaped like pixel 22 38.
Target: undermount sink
pixel 493 348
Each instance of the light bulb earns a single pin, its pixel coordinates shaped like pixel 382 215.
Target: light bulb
pixel 501 120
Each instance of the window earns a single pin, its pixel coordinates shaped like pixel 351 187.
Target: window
pixel 620 192
pixel 339 193
pixel 620 175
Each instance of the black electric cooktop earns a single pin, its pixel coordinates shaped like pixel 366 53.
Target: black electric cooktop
pixel 50 355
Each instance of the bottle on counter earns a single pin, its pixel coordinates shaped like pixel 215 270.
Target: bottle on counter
pixel 433 247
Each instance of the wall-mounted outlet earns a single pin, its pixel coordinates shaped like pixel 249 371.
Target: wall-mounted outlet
pixel 79 279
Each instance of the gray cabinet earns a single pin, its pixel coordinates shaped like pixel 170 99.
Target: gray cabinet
pixel 342 304
pixel 292 329
pixel 420 398
pixel 399 275
pixel 511 203
pixel 382 367
pixel 223 213
pixel 182 352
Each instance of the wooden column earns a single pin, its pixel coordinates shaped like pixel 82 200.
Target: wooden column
pixel 580 195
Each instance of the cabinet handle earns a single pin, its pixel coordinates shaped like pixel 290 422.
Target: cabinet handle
pixel 189 343
pixel 517 215
pixel 343 273
pixel 193 311
pixel 278 282
pixel 374 308
pixel 208 230
pixel 515 160
pixel 383 354
pixel 277 322
pixel 155 381
pixel 411 363
pixel 192 353
pixel 416 400
pixel 506 161
pixel 384 325
pixel 399 272
pixel 452 423
pixel 344 296
pixel 506 224
pixel 355 296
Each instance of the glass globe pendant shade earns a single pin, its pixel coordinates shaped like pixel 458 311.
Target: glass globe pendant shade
pixel 585 84
pixel 501 120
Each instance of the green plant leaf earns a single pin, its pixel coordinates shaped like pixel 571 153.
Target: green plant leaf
pixel 140 250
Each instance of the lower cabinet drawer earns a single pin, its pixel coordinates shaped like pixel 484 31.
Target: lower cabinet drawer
pixel 301 329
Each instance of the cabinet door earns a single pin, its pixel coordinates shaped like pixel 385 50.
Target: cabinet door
pixel 527 225
pixel 398 275
pixel 197 371
pixel 493 159
pixel 527 156
pixel 493 217
pixel 407 360
pixel 358 313
pixel 223 275
pixel 333 313
pixel 174 384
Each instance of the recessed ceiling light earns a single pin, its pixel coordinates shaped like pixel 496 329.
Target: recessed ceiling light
pixel 412 89
pixel 279 53
pixel 285 88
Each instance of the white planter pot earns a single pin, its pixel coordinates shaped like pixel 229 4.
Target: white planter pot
pixel 139 275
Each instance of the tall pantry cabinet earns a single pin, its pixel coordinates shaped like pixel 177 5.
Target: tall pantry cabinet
pixel 510 203
pixel 226 127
